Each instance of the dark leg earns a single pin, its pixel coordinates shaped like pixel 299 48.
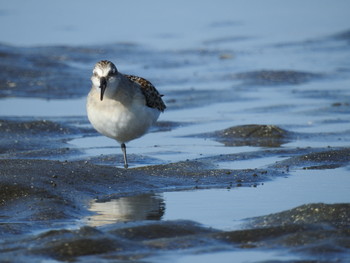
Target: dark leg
pixel 124 153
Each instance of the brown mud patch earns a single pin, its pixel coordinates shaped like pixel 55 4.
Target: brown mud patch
pixel 252 135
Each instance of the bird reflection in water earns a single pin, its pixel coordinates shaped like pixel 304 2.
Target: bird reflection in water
pixel 125 209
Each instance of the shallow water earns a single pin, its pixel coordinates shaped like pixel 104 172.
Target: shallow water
pixel 257 123
pixel 227 209
pixel 226 257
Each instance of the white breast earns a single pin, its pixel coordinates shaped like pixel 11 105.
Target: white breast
pixel 116 121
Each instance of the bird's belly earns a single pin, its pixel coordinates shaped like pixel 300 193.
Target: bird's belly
pixel 121 123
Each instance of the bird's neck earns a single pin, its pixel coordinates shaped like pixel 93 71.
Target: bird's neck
pixel 121 90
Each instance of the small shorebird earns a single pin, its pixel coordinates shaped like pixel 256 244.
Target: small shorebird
pixel 122 107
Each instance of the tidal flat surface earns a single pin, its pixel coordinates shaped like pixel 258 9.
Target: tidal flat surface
pixel 250 161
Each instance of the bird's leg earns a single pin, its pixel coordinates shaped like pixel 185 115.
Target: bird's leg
pixel 124 153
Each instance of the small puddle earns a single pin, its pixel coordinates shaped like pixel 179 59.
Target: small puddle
pixel 250 163
pixel 226 209
pixel 238 256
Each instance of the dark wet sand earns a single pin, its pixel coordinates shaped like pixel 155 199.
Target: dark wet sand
pixel 325 235
pixel 36 193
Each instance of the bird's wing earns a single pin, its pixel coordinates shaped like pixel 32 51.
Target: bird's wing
pixel 153 98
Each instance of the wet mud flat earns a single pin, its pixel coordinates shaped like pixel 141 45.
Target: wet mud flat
pixel 41 200
pixel 41 194
pixel 293 119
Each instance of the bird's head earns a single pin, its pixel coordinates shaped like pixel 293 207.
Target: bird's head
pixel 104 75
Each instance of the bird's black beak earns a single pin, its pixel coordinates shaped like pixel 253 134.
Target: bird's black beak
pixel 103 85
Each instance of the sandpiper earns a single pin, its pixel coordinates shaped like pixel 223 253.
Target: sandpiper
pixel 122 107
